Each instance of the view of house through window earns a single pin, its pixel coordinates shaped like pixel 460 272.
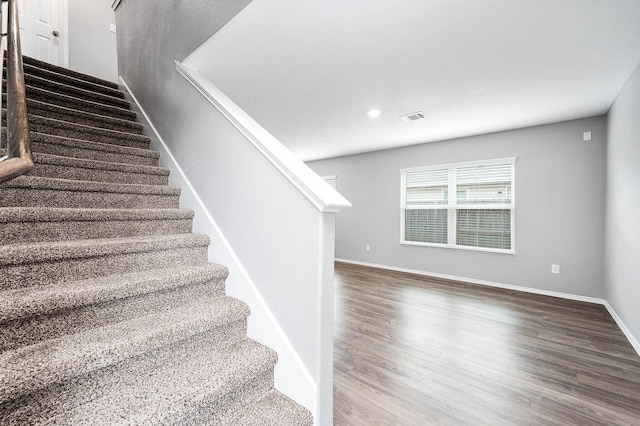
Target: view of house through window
pixel 479 216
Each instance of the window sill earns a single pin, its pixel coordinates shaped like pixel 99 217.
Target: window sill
pixel 466 248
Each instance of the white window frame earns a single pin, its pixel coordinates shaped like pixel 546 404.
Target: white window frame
pixel 452 204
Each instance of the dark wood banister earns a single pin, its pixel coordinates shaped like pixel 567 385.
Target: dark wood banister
pixel 18 159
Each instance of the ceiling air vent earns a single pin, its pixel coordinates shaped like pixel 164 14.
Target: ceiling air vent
pixel 413 116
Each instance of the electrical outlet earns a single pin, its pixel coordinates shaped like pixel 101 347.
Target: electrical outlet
pixel 555 269
pixel 586 136
pixel 112 28
pixel 367 247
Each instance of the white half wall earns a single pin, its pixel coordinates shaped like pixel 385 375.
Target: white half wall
pixel 285 243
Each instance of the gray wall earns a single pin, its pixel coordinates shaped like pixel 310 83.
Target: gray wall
pixel 623 206
pixel 152 34
pixel 92 45
pixel 560 192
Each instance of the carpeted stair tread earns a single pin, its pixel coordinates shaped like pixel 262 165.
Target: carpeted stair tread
pixel 99 165
pixel 80 131
pixel 28 330
pixel 78 148
pixel 52 92
pixel 58 112
pixel 102 94
pixel 42 263
pixel 66 71
pixel 114 98
pixel 39 224
pixel 68 79
pixel 273 409
pixel 211 381
pixel 40 214
pixel 46 300
pixel 18 254
pixel 47 165
pixel 34 191
pixel 77 103
pixel 36 182
pixel 26 369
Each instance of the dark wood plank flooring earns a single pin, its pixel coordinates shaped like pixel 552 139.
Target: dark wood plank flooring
pixel 413 350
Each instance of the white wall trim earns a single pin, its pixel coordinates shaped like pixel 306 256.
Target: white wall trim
pixel 634 342
pixel 481 282
pixel 568 296
pixel 325 198
pixel 283 342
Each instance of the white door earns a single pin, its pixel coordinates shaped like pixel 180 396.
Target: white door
pixel 41 30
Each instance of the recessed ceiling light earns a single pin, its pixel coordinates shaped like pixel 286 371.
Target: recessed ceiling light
pixel 374 113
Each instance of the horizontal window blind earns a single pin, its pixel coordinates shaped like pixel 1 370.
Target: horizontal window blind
pixel 426 225
pixel 479 216
pixel 332 181
pixel 484 184
pixel 484 228
pixel 427 188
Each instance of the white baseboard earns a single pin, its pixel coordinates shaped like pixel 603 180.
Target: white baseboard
pixel 634 342
pixel 481 282
pixel 617 319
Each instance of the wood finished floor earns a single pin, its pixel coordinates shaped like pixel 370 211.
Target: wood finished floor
pixel 413 350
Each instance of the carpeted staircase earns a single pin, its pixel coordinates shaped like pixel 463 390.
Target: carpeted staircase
pixel 109 310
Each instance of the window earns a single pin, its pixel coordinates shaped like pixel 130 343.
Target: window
pixel 480 214
pixel 332 181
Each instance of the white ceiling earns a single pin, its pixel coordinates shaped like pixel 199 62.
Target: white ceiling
pixel 309 70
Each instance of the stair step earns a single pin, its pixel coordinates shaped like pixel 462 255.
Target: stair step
pixel 109 310
pixel 57 112
pixel 30 368
pixel 273 409
pixel 77 148
pixel 68 79
pixel 84 90
pixel 47 300
pixel 78 131
pixel 36 264
pixel 115 98
pixel 30 315
pixel 39 224
pixel 76 103
pixel 54 166
pixel 163 387
pixel 65 71
pixel 34 191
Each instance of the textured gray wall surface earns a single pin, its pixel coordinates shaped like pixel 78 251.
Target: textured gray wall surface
pixel 152 34
pixel 559 213
pixel 623 205
pixel 92 45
